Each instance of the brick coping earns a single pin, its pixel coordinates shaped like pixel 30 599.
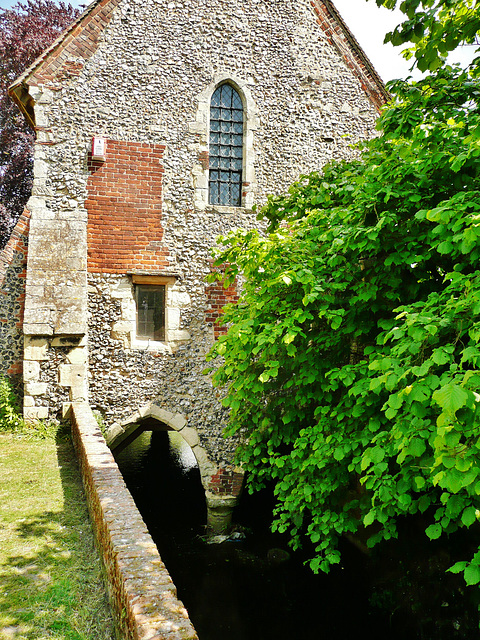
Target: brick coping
pixel 141 591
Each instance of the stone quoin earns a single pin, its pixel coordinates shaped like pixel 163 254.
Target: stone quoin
pixel 195 112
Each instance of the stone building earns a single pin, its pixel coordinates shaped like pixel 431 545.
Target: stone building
pixel 159 125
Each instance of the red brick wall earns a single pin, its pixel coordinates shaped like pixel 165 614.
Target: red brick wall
pixel 226 482
pixel 79 41
pixel 217 298
pixel 124 207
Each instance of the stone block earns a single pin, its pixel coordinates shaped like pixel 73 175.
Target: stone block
pixel 32 414
pixel 122 289
pixel 28 401
pixel 35 348
pixel 215 501
pixel 35 290
pixel 68 291
pixel 36 202
pixel 78 393
pixel 66 408
pixel 191 436
pixel 31 371
pixel 161 414
pixel 38 312
pixel 177 421
pixel 122 330
pixel 179 298
pixel 71 375
pixel 206 466
pixel 71 317
pixel 173 319
pixel 76 264
pixel 113 432
pixel 40 169
pixel 77 355
pixel 179 335
pixel 37 329
pixel 36 388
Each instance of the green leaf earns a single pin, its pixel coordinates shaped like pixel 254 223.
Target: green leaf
pixel 468 516
pixel 419 482
pixel 450 397
pixel 416 447
pixel 440 356
pixel 377 454
pixel 453 481
pixel 472 574
pixel 457 567
pixel 434 531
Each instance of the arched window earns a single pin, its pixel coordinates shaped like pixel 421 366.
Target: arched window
pixel 226 147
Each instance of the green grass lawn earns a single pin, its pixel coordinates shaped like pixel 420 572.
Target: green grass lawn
pixel 50 580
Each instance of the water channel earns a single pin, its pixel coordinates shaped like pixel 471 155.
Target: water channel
pixel 254 588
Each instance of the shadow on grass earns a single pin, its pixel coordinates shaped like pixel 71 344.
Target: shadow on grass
pixel 52 588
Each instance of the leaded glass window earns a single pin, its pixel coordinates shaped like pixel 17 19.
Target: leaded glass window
pixel 151 312
pixel 226 147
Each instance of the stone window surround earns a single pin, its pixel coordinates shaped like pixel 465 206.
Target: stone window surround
pixel 150 299
pixel 201 126
pixel 125 329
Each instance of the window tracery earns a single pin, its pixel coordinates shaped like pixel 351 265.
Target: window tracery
pixel 226 147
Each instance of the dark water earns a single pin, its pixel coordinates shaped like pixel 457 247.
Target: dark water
pixel 255 589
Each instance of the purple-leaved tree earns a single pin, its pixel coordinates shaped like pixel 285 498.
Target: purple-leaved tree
pixel 26 30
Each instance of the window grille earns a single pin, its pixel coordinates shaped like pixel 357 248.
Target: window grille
pixel 151 312
pixel 226 147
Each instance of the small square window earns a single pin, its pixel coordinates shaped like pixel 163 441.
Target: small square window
pixel 150 312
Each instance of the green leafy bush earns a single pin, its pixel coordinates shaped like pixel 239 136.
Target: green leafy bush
pixel 352 361
pixel 10 417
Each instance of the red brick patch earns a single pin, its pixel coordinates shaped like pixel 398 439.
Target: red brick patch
pixel 124 207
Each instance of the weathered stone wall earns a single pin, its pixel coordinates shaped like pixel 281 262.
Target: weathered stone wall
pixel 13 263
pixel 123 379
pixel 141 74
pixel 142 593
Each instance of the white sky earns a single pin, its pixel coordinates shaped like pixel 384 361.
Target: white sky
pixel 369 24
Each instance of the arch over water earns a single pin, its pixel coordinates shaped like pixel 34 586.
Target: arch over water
pixel 151 417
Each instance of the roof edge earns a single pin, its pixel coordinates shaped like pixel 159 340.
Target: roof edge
pixel 368 69
pixel 56 43
pixel 18 90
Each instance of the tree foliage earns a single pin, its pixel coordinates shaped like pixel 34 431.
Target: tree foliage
pixel 435 28
pixel 351 363
pixel 26 30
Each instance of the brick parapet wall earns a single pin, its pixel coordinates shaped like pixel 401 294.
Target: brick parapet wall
pixel 124 206
pixel 141 590
pixel 13 262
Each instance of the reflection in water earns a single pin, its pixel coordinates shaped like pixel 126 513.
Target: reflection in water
pixel 182 452
pixel 251 589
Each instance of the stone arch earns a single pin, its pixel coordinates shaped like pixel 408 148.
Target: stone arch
pixel 119 435
pixel 220 502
